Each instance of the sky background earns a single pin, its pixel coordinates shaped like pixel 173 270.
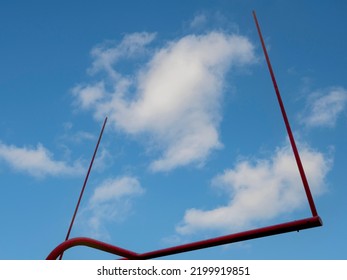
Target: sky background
pixel 195 146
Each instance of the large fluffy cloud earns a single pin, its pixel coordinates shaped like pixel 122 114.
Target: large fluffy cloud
pixel 258 191
pixel 174 99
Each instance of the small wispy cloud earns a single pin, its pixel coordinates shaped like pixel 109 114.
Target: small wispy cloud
pixel 71 135
pixel 198 21
pixel 258 191
pixel 324 107
pixel 91 94
pixel 111 201
pixel 174 99
pixel 37 161
pixel 106 55
pixel 205 20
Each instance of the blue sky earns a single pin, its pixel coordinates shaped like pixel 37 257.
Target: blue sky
pixel 195 146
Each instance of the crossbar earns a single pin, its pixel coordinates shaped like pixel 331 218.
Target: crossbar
pixel 227 239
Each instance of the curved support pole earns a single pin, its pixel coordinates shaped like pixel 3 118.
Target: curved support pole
pixel 92 243
pixel 227 239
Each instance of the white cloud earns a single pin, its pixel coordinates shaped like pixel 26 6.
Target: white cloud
pixel 70 135
pixel 324 107
pixel 113 189
pixel 175 98
pixel 258 191
pixel 198 21
pixel 37 161
pixel 111 201
pixel 88 95
pixel 106 55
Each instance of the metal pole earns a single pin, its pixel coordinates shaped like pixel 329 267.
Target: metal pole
pixel 84 184
pixel 208 243
pixel 286 121
pixel 91 243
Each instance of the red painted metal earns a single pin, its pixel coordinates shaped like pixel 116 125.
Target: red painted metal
pixel 92 243
pixel 227 239
pixel 307 223
pixel 84 184
pixel 237 237
pixel 286 121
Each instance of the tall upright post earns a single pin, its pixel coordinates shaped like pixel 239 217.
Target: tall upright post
pixel 84 184
pixel 286 121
